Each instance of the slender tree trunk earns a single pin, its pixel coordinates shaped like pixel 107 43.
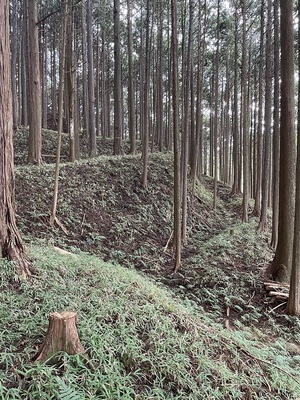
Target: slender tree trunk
pixel 54 91
pixel 186 119
pixel 177 185
pixel 259 135
pixel 245 118
pixel 117 81
pixel 145 137
pixel 104 88
pixel 276 128
pixel 268 122
pixel 35 105
pixel 236 141
pixel 14 47
pixel 91 85
pixel 159 81
pixel 85 94
pixel 216 108
pixel 44 68
pixel 70 79
pixel 97 88
pixel 24 64
pixel 197 164
pixel 60 111
pixel 131 97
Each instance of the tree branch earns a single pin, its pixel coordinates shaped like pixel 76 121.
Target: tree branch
pixel 55 12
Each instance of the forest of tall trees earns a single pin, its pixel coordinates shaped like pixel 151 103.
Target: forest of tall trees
pixel 211 80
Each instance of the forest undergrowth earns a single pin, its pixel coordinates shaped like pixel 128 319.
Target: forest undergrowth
pixel 141 342
pixel 105 212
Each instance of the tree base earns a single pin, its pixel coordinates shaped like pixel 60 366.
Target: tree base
pixel 62 336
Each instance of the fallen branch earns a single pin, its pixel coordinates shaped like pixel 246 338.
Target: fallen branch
pixel 279 305
pixel 81 226
pixel 279 294
pixel 168 242
pixel 271 364
pixel 274 284
pixel 58 223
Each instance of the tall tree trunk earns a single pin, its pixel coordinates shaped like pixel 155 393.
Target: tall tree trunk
pixel 216 109
pixel 35 105
pixel 186 120
pixel 105 117
pixel 276 128
pixel 245 117
pixel 197 161
pixel 14 47
pixel 293 304
pixel 259 135
pixel 11 245
pixel 117 81
pixel 70 79
pixel 159 81
pixel 177 185
pixel 53 217
pixel 44 69
pixel 131 98
pixel 268 122
pixel 24 64
pixel 54 90
pixel 91 95
pixel 85 90
pixel 145 137
pixel 282 263
pixel 236 142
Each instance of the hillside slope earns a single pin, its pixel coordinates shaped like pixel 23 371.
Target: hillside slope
pixel 106 212
pixel 141 341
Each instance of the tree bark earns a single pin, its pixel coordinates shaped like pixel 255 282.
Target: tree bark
pixel 61 336
pixel 71 79
pixel 14 47
pixel 24 65
pixel 131 102
pixel 60 111
pixel 91 95
pixel 11 245
pixel 276 128
pixel 35 100
pixel 85 102
pixel 282 263
pixel 177 186
pixel 185 127
pixel 268 122
pixel 216 109
pixel 257 204
pixel 117 81
pixel 146 82
pixel 293 304
pixel 245 135
pixel 236 142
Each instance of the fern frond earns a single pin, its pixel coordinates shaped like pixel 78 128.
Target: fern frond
pixel 66 392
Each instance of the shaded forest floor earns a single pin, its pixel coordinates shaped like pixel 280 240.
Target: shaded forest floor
pixel 105 212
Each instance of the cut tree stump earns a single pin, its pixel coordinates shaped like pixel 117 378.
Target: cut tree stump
pixel 62 336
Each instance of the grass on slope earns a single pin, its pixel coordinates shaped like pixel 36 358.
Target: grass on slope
pixel 49 145
pixel 108 213
pixel 143 342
